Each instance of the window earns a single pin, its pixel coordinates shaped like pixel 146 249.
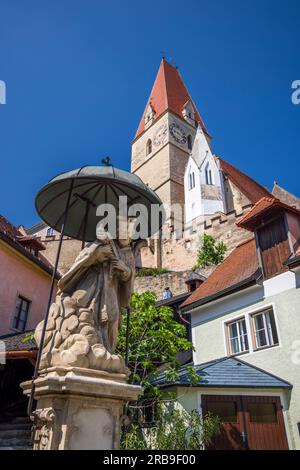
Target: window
pixel 21 314
pixel 264 329
pixel 262 412
pixel 149 114
pixel 191 180
pixel 149 147
pixel 144 413
pixel 225 410
pixel 50 232
pixel 237 336
pixel 189 142
pixel 208 175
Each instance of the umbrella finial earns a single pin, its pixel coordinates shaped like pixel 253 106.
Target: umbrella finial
pixel 106 161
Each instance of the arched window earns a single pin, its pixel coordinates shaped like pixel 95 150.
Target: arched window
pixel 149 147
pixel 50 232
pixel 208 175
pixel 191 180
pixel 189 142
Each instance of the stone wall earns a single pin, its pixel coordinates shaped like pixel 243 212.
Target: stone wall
pixel 69 251
pixel 175 280
pixel 180 255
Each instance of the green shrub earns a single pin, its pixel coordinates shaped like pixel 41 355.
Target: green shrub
pixel 142 272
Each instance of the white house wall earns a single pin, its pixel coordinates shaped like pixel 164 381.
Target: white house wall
pixel 210 342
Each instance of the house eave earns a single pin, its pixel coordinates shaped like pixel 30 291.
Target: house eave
pixel 250 281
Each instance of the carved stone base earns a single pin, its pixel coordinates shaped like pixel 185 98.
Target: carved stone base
pixel 79 408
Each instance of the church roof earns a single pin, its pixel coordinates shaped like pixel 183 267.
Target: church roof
pixel 285 196
pixel 238 269
pixel 248 186
pixel 168 93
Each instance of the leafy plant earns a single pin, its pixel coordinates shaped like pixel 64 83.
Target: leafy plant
pixel 143 272
pixel 209 252
pixel 29 337
pixel 155 338
pixel 175 429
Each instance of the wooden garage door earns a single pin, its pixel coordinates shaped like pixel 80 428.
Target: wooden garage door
pixel 264 423
pixel 229 409
pixel 249 422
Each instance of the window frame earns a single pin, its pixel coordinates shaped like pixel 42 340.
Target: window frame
pixel 240 335
pixel 247 315
pixel 267 329
pixel 50 232
pixel 16 317
pixel 191 180
pixel 148 146
pixel 208 175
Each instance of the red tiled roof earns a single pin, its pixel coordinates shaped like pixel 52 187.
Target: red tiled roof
pixel 8 228
pixel 168 92
pixel 249 187
pixel 239 266
pixel 264 205
pixel 10 231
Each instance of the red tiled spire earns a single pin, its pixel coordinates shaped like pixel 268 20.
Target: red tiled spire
pixel 168 93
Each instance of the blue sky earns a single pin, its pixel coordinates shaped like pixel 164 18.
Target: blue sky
pixel 78 74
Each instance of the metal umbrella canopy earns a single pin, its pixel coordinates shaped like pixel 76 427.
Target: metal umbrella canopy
pixel 81 191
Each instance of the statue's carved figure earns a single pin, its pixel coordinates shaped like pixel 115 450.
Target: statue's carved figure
pixel 84 321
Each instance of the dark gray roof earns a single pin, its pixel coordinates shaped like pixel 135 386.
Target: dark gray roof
pixel 225 372
pixel 195 277
pixel 175 299
pixel 15 342
pixel 35 228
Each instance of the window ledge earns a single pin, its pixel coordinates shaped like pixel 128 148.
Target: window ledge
pixel 263 348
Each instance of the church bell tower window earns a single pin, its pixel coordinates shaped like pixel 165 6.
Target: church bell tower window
pixel 148 147
pixel 191 180
pixel 208 175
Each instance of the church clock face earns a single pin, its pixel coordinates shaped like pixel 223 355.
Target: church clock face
pixel 160 135
pixel 177 133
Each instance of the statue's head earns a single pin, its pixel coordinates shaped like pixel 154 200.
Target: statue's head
pixel 123 232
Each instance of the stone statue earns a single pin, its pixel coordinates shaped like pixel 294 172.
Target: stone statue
pixel 84 321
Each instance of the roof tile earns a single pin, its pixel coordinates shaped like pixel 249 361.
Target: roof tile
pixel 239 266
pixel 168 92
pixel 249 187
pixel 265 204
pixel 225 372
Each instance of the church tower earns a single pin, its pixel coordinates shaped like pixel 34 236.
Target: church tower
pixel 165 136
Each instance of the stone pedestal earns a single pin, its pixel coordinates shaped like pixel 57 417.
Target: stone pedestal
pixel 79 408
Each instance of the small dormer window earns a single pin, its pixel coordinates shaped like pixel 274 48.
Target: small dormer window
pixel 149 115
pixel 188 113
pixel 148 147
pixel 191 180
pixel 208 175
pixel 189 142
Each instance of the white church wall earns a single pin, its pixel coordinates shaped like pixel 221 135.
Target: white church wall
pixel 193 205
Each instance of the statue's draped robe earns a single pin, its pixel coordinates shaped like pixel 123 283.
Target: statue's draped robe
pixel 84 320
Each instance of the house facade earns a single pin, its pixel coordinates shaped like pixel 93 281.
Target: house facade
pixel 245 322
pixel 25 276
